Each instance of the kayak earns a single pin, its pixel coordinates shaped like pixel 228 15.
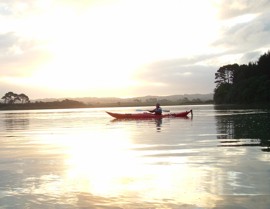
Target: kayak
pixel 146 115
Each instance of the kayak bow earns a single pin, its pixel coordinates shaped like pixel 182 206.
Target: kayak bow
pixel 146 115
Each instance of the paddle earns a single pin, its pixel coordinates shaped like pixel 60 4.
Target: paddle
pixel 140 110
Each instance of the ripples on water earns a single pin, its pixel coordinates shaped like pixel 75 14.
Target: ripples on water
pixel 83 158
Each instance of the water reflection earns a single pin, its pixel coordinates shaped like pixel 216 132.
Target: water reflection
pixel 156 122
pixel 244 128
pixel 78 159
pixel 147 122
pixel 117 165
pixel 16 121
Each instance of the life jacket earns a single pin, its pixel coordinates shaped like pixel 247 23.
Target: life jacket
pixel 158 111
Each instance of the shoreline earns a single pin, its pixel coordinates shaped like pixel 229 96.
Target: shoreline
pixel 60 105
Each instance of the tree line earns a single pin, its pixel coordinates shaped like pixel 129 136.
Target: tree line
pixel 11 98
pixel 14 101
pixel 244 84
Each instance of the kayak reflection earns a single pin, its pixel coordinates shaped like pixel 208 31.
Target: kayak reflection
pixel 149 121
pixel 157 122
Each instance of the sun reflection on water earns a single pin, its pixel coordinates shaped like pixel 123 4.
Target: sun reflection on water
pixel 109 164
pixel 101 162
pixel 81 159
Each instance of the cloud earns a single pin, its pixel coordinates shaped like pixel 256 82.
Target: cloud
pixel 17 8
pixel 250 57
pixel 245 29
pixel 240 42
pixel 6 40
pixel 247 36
pixel 183 51
pixel 19 56
pixel 234 8
pixel 179 76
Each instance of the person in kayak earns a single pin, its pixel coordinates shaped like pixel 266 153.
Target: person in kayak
pixel 157 110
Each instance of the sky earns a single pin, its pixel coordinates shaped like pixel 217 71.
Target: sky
pixel 126 48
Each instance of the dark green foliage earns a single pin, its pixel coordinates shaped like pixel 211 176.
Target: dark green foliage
pixel 264 64
pixel 244 84
pixel 222 93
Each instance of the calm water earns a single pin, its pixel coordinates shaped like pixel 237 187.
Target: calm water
pixel 82 158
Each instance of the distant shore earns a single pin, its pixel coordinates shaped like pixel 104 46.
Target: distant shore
pixel 94 102
pixel 67 104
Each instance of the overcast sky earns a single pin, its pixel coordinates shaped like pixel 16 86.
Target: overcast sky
pixel 126 48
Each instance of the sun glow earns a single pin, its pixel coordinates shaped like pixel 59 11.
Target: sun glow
pixel 107 163
pixel 101 163
pixel 86 57
pixel 97 48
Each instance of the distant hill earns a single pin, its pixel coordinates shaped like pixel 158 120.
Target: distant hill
pixel 145 99
pixel 92 102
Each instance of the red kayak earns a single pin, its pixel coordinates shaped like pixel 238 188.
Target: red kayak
pixel 146 115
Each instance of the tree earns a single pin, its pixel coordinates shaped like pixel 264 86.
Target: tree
pixel 137 100
pixel 244 84
pixel 24 98
pixel 11 98
pixel 151 100
pixel 225 74
pixel 264 64
pixel 222 92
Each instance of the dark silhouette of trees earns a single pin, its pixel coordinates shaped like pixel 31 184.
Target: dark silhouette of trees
pixel 11 98
pixel 14 101
pixel 225 74
pixel 244 84
pixel 24 98
pixel 264 64
pixel 8 97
